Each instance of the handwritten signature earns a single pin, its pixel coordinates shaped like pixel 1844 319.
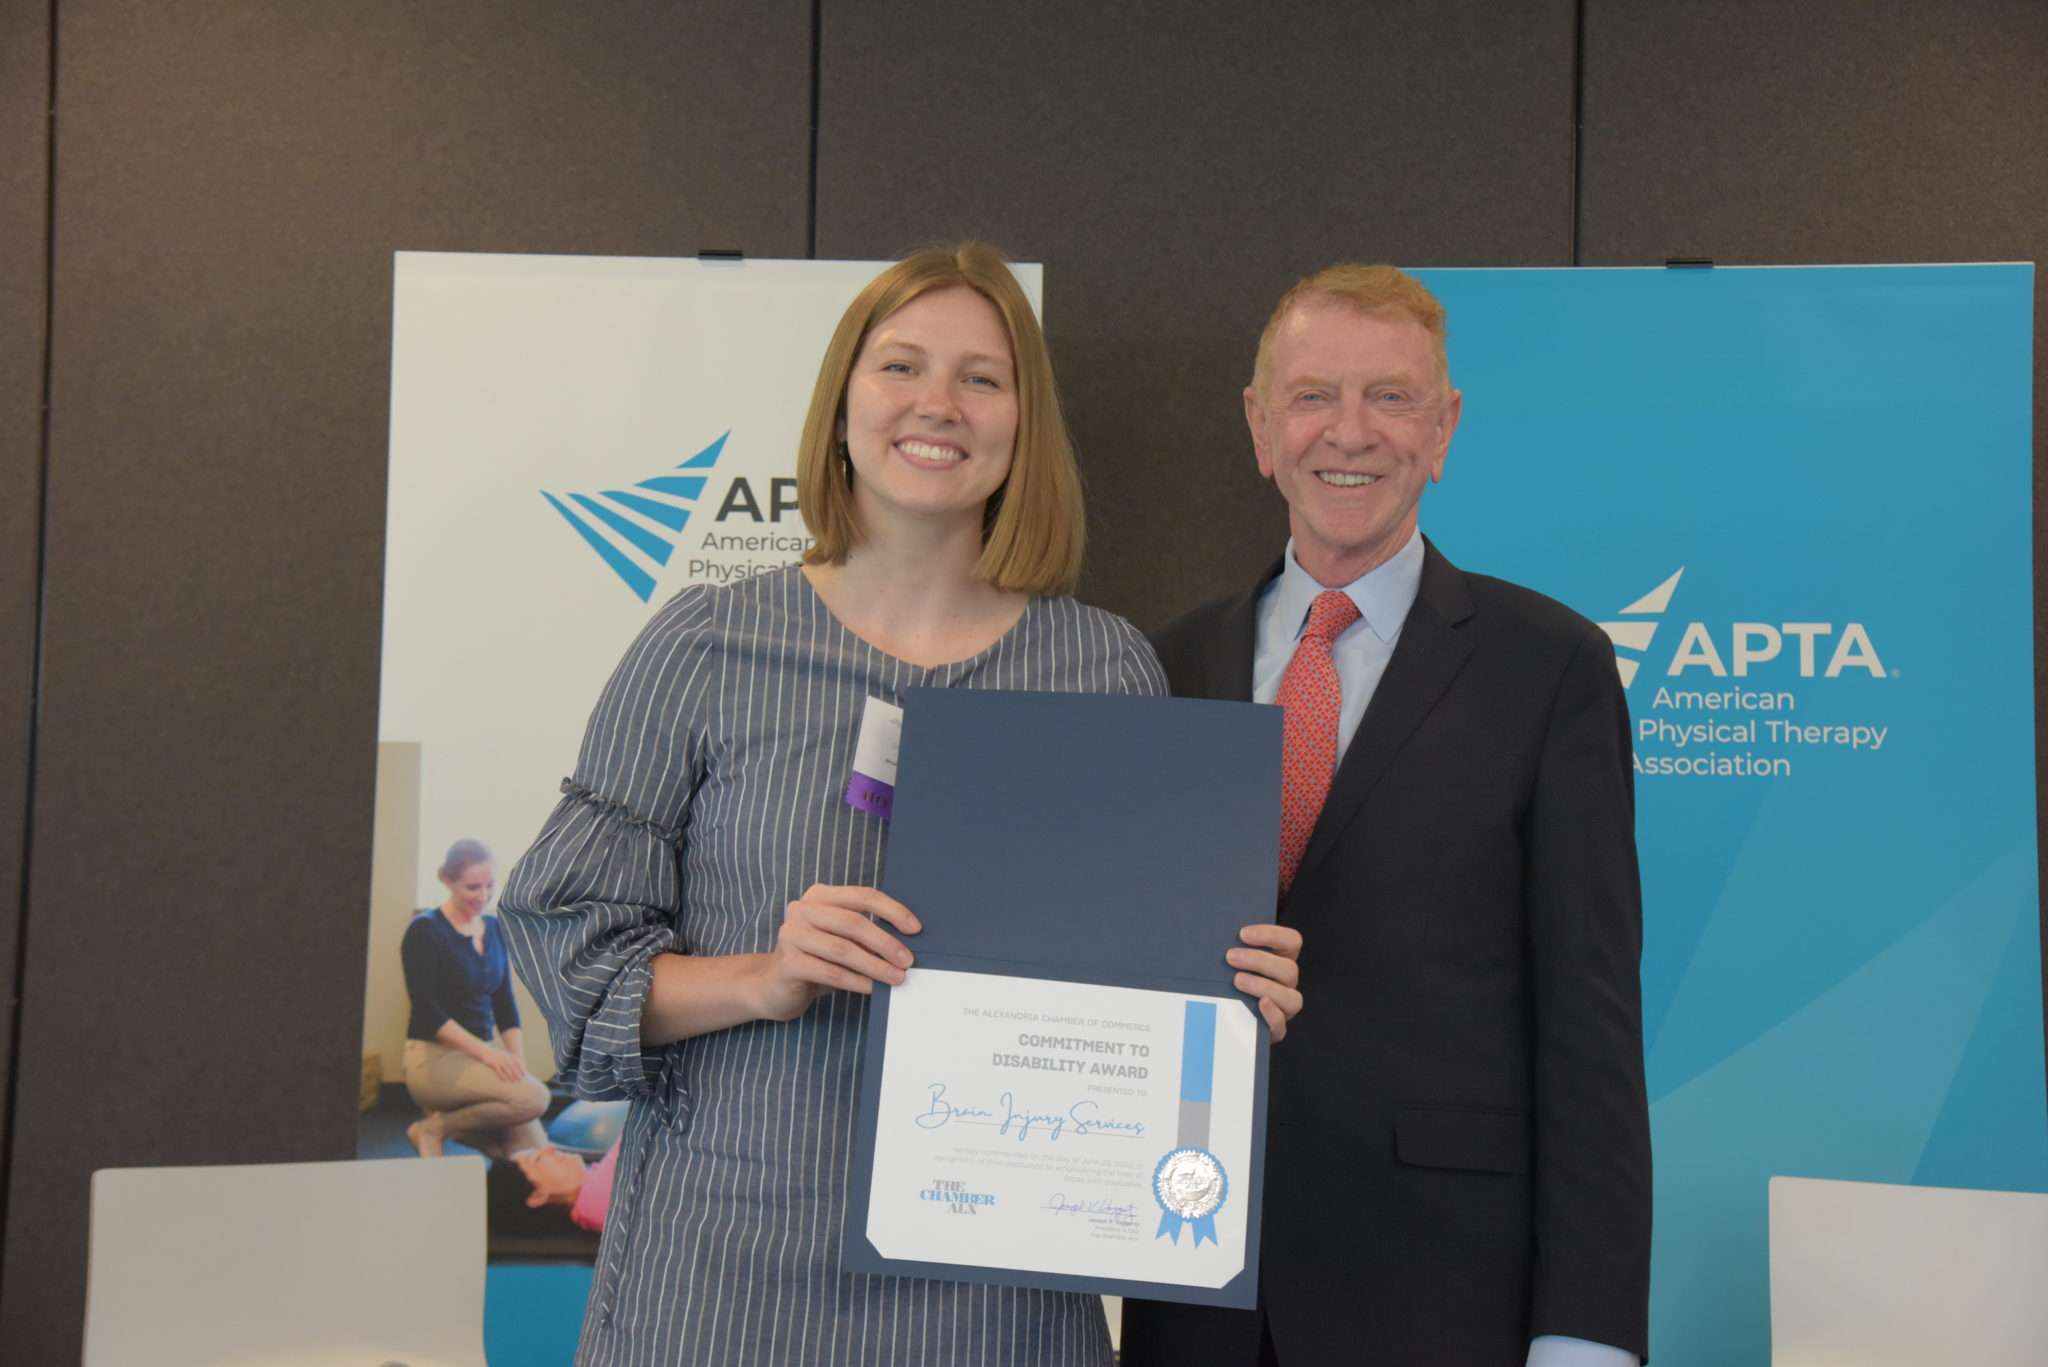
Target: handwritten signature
pixel 1120 1212
pixel 1019 1122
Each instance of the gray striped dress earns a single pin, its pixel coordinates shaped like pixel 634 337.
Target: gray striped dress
pixel 710 793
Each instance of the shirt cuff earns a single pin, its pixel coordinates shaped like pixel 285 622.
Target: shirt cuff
pixel 1554 1350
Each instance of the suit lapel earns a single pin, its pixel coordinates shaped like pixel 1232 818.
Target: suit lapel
pixel 1227 654
pixel 1428 656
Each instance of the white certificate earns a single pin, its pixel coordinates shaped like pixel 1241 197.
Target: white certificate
pixel 1046 1127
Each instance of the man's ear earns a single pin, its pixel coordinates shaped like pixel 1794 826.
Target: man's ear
pixel 1454 408
pixel 1255 419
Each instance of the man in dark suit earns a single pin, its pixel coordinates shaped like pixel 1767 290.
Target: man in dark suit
pixel 1458 1163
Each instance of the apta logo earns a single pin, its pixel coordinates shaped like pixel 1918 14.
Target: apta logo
pixel 1636 635
pixel 626 543
pixel 1749 643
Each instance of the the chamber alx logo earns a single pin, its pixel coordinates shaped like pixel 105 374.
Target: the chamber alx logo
pixel 1635 635
pixel 635 530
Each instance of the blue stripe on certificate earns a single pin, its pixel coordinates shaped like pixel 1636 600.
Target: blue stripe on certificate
pixel 1198 1051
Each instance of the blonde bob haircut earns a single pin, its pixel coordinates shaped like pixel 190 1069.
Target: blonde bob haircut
pixel 1033 527
pixel 1376 291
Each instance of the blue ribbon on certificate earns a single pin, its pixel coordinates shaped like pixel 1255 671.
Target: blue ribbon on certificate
pixel 1189 1184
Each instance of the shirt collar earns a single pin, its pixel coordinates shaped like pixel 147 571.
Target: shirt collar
pixel 1383 594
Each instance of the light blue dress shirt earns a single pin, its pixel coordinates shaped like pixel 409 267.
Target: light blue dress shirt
pixel 1361 652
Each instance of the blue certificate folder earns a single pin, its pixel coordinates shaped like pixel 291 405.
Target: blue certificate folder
pixel 1092 838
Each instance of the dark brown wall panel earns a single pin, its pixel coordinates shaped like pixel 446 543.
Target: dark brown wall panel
pixel 24 263
pixel 231 182
pixel 1176 167
pixel 1794 131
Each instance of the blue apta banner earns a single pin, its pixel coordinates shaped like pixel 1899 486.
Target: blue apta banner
pixel 1799 501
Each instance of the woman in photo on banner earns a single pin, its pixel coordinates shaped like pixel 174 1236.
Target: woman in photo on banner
pixel 694 918
pixel 459 981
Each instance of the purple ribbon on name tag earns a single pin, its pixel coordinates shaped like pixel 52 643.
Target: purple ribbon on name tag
pixel 871 795
pixel 874 753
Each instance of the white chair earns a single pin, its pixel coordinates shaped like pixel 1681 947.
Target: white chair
pixel 1866 1274
pixel 356 1264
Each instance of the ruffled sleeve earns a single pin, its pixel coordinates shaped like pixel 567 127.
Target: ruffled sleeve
pixel 599 894
pixel 1138 668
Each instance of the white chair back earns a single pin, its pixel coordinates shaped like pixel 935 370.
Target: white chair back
pixel 360 1264
pixel 1866 1274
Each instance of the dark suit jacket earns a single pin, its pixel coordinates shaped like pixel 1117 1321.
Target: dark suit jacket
pixel 1458 1156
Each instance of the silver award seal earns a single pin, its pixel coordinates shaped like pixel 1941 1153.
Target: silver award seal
pixel 1189 1185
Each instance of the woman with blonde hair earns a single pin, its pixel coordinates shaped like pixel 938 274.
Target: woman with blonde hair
pixel 695 918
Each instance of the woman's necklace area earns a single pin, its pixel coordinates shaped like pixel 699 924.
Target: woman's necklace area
pixel 473 932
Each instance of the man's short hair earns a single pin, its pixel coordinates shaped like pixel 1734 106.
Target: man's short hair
pixel 1372 290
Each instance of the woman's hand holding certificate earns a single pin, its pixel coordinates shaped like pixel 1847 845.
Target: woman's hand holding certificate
pixel 827 941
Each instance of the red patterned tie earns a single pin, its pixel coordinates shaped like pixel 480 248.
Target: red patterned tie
pixel 1310 694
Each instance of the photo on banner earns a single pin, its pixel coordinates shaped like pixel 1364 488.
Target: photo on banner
pixel 1799 502
pixel 573 440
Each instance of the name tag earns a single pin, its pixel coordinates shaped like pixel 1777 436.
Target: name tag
pixel 872 786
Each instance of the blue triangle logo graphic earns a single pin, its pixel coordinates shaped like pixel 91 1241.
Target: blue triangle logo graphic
pixel 635 530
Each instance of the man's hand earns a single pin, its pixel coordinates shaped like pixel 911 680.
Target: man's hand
pixel 1270 970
